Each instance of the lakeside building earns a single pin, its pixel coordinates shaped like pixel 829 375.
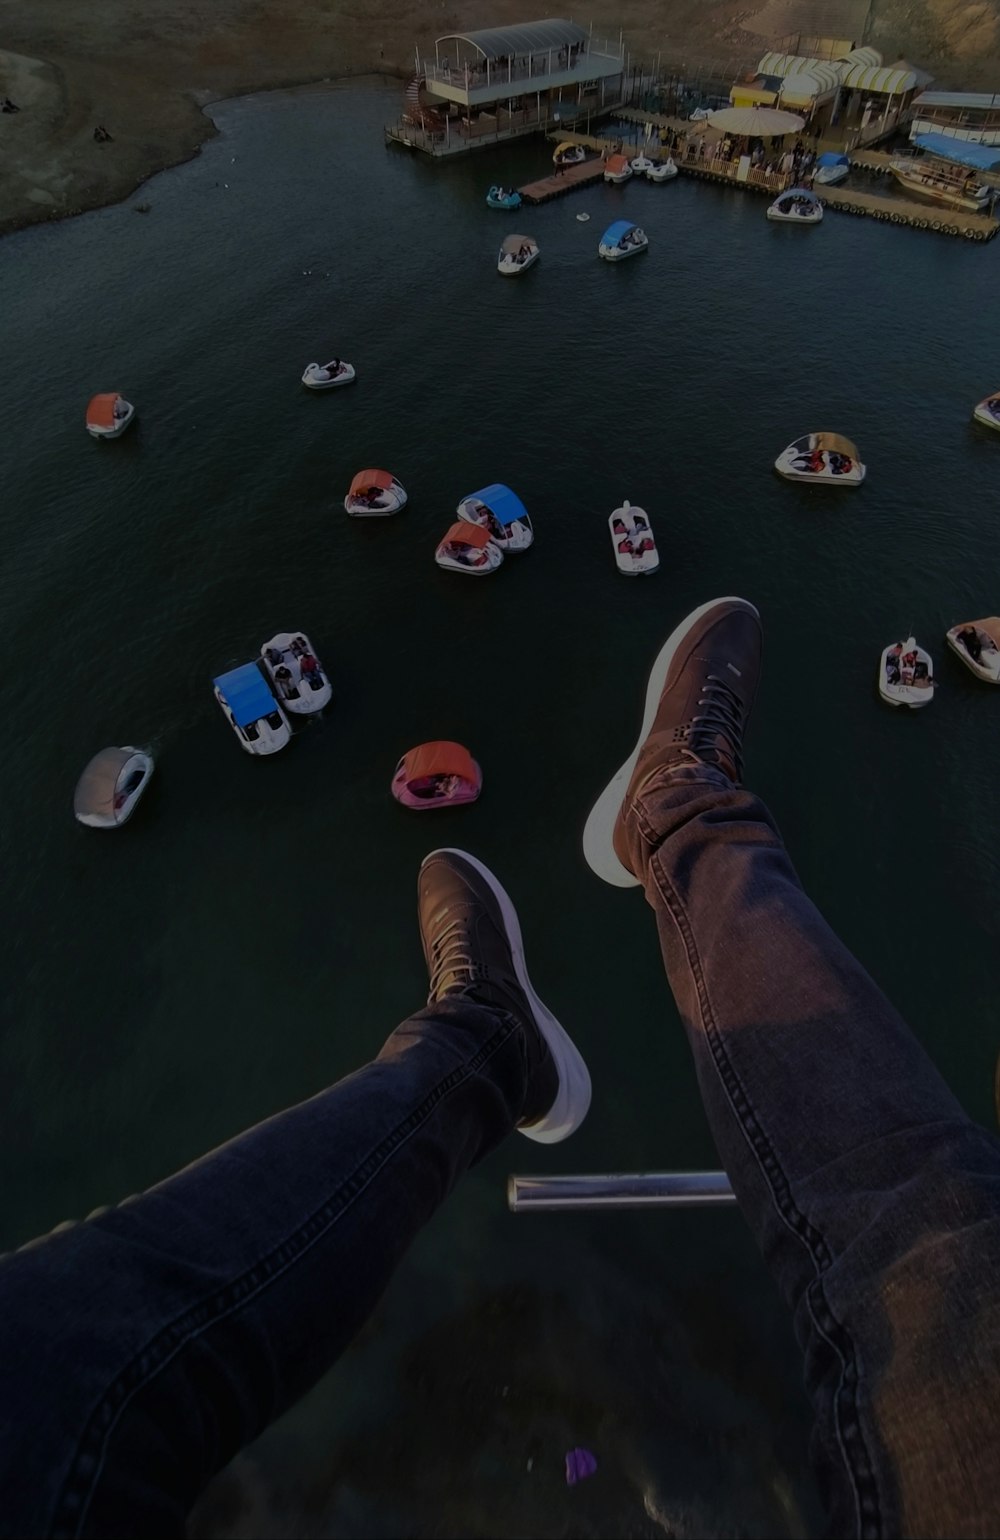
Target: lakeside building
pixel 966 115
pixel 856 98
pixel 500 83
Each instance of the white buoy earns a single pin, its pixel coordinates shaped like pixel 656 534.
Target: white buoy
pixel 583 218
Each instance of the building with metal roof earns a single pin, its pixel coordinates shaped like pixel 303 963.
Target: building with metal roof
pixel 498 83
pixel 970 115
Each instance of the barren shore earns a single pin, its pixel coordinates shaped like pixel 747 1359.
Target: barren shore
pixel 145 73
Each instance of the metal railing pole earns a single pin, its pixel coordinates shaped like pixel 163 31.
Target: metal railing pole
pixel 641 1189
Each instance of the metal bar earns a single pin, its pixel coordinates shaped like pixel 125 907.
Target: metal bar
pixel 641 1189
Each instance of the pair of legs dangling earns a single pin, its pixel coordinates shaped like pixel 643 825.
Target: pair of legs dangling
pixel 144 1346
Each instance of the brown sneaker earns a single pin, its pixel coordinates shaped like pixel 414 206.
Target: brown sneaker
pixel 700 694
pixel 473 949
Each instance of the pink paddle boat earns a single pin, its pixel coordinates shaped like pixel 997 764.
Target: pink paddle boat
pixel 439 774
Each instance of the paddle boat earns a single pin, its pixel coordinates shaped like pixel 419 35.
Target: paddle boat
pixel 502 514
pixel 517 254
pixel 108 415
pixel 662 170
pixel 905 674
pixel 374 495
pixel 797 206
pixel 988 411
pixel 641 165
pixel 328 376
pixel 503 198
pixel 831 168
pixel 468 548
pixel 632 541
pixel 620 240
pixel 617 169
pixel 110 787
pixel 977 643
pixel 441 774
pixel 251 710
pixel 567 154
pixel 825 458
pixel 296 673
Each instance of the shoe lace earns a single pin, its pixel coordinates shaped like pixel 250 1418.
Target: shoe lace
pixel 722 718
pixel 450 958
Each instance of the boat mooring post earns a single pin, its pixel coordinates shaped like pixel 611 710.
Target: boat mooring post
pixel 639 1189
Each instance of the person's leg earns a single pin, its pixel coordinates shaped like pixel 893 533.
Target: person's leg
pixel 140 1349
pixel 875 1200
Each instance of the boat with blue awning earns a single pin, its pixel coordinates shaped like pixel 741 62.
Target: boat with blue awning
pixel 831 168
pixel 502 513
pixel 622 239
pixel 946 171
pixel 251 710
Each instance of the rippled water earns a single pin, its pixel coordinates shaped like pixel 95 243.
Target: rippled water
pixel 251 936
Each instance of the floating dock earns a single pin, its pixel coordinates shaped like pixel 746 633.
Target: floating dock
pixel 841 200
pixel 580 175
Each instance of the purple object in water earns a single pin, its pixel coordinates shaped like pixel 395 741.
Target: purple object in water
pixel 580 1464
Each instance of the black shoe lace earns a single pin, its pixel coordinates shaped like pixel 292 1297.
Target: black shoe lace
pixel 722 718
pixel 450 958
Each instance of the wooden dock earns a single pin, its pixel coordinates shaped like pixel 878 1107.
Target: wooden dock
pixel 581 175
pixel 841 200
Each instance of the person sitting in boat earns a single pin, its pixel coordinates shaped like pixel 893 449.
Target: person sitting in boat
pixel 638 523
pixel 120 409
pixel 524 250
pixel 619 527
pixel 625 547
pixel 969 638
pixel 308 665
pixel 333 367
pixel 286 683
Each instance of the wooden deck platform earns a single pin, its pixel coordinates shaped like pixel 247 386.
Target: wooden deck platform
pixel 580 175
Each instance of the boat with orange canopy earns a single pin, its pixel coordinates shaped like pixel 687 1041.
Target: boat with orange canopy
pixel 374 495
pixel 108 415
pixel 617 169
pixel 468 548
pixel 437 774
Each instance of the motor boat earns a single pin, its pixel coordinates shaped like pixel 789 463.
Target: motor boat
pixel 108 415
pixel 906 674
pixel 797 206
pixel 503 198
pixel 502 514
pixel 374 495
pixel 662 170
pixel 941 182
pixel 251 710
pixel 468 548
pixel 517 254
pixel 328 376
pixel 977 643
pixel 441 774
pixel 831 168
pixel 632 541
pixel 567 154
pixel 296 673
pixel 822 458
pixel 620 240
pixel 988 411
pixel 641 165
pixel 617 169
pixel 110 787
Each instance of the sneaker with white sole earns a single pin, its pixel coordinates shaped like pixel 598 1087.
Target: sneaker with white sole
pixel 700 694
pixel 473 948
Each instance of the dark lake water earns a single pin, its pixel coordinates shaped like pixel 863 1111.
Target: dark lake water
pixel 251 936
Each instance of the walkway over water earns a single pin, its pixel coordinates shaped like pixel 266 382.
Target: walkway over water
pixel 570 177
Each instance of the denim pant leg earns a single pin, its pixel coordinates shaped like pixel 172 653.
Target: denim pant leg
pixel 875 1200
pixel 141 1348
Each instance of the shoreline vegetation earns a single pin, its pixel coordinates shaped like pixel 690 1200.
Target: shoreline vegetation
pixel 148 75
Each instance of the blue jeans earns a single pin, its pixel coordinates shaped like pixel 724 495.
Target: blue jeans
pixel 141 1348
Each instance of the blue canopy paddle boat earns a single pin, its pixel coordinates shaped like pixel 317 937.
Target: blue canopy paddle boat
pixel 797 206
pixel 251 710
pixel 502 512
pixel 622 239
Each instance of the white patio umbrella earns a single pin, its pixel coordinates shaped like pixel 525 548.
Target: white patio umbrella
pixel 760 122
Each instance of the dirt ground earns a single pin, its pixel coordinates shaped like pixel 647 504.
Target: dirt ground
pixel 145 71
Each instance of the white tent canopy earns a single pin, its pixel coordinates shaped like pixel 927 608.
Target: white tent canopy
pixel 761 122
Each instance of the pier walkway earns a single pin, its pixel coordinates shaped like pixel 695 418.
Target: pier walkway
pixel 580 175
